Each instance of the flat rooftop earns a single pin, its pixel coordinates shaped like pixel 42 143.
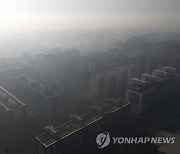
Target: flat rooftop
pixel 8 65
pixel 8 101
pixel 38 87
pixel 64 130
pixel 157 83
pixel 89 118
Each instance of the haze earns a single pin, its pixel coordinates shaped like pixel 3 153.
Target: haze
pixel 20 17
pixel 61 14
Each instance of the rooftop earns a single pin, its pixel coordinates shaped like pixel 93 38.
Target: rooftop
pixel 79 122
pixel 139 85
pixel 10 64
pixel 8 101
pixel 39 87
pixel 148 81
pixel 64 130
pixel 131 66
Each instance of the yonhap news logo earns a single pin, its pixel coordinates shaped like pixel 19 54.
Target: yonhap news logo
pixel 103 140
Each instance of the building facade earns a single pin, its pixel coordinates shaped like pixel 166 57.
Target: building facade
pixel 151 89
pixel 112 83
pixel 36 95
pixel 11 108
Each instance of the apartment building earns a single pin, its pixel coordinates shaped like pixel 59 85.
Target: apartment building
pixel 10 107
pixel 36 95
pixel 78 135
pixel 150 89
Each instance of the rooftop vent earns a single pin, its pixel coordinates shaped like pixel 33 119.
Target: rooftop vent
pixel 77 119
pixel 96 109
pixel 53 132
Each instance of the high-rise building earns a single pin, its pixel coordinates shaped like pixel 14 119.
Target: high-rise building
pixel 152 63
pixel 121 81
pixel 132 72
pixel 78 135
pixel 55 56
pixel 151 89
pixel 111 83
pixel 148 64
pixel 10 107
pixel 97 85
pixel 140 93
pixel 86 65
pixel 36 95
pixel 10 69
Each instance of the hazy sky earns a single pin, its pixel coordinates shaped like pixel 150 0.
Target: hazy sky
pixel 19 19
pixel 89 7
pixel 60 14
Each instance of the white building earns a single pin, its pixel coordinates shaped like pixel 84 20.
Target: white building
pixel 151 89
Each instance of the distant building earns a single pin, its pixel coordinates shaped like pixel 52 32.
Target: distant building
pixel 148 64
pixel 86 65
pixel 10 107
pixel 132 72
pixel 50 57
pixel 121 81
pixel 78 135
pixel 36 95
pixel 97 86
pixel 9 69
pixel 102 61
pixel 70 55
pixel 56 56
pixel 112 83
pixel 151 89
pixel 153 63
